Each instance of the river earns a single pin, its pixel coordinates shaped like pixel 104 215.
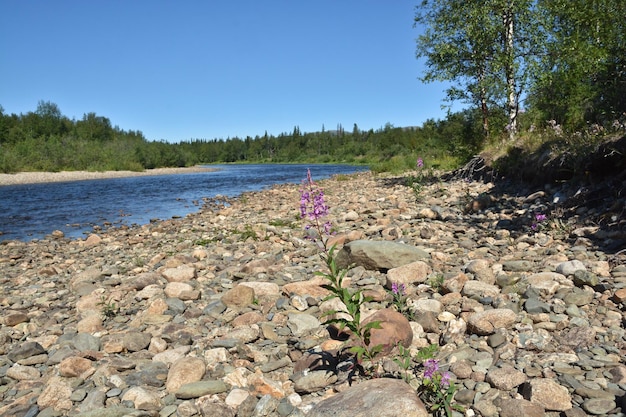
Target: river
pixel 32 211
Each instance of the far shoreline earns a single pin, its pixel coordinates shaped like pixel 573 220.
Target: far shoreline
pixel 23 178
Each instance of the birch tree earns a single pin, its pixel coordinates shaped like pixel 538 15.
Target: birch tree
pixel 487 48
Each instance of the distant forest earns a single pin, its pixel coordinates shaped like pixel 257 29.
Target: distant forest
pixel 46 140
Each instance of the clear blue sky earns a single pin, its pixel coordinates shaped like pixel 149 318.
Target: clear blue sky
pixel 179 70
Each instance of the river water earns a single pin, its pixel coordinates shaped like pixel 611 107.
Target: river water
pixel 33 211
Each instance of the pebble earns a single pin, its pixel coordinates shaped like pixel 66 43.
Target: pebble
pixel 221 313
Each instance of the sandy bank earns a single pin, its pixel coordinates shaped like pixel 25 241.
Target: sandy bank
pixel 42 177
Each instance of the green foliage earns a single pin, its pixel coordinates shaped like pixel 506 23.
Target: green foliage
pixel 559 58
pixel 353 300
pixel 247 233
pixel 108 308
pixel 436 282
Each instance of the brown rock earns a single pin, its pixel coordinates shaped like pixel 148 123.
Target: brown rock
pixel 56 394
pixel 75 366
pixel 312 287
pixel 412 273
pixel 548 393
pixel 258 266
pixel 182 273
pixel 395 329
pixel 93 240
pixel 487 322
pixel 263 385
pixel 23 373
pixel 13 318
pixel 145 279
pixel 239 296
pixel 620 295
pixel 510 407
pixel 455 284
pixel 247 319
pixel 505 378
pixel 182 291
pixel 184 371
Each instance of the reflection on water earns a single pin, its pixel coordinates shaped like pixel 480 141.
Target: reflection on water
pixel 34 210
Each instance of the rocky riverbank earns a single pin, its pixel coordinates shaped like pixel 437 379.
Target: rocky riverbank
pixel 220 313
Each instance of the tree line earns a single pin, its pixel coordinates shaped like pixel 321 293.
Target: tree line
pixel 46 140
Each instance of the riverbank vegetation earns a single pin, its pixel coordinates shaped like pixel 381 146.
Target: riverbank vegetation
pixel 46 140
pixel 546 76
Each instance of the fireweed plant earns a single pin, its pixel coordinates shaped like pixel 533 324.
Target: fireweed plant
pixel 314 209
pixel 539 222
pixel 398 292
pixel 437 391
pixel 416 182
pixel 436 388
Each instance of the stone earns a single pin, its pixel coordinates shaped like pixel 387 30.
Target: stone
pixel 200 388
pixel 182 273
pixel 144 280
pixel 517 266
pixel 570 267
pixel 549 394
pixel 409 274
pixel 76 367
pixel 13 318
pixel 394 329
pixel 143 398
pixel 239 296
pixel 302 323
pixel 597 406
pixel 505 378
pixel 480 289
pixel 378 255
pixel 582 278
pixel 56 394
pixel 488 321
pixel 481 270
pixel 313 381
pixel 23 373
pixel 184 371
pixel 511 407
pixel 547 283
pixel 263 290
pixel 372 398
pixel 181 290
pixel 25 350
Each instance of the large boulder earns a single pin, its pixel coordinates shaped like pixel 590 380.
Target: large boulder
pixel 378 255
pixel 382 397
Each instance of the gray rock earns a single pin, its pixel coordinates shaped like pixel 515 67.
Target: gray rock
pixel 598 406
pixel 200 388
pixel 534 306
pixel 313 381
pixel 372 398
pixel 570 267
pixel 114 412
pixel 301 323
pixel 86 341
pixel 505 378
pixel 517 266
pixel 582 278
pixel 26 350
pixel 378 255
pixel 510 407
